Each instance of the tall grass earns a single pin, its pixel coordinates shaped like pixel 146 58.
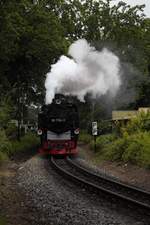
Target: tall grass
pixel 84 137
pixel 27 142
pixel 5 146
pixel 3 220
pixel 11 147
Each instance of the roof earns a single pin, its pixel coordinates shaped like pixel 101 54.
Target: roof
pixel 128 114
pixel 124 115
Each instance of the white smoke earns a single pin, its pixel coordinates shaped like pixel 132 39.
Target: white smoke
pixel 90 71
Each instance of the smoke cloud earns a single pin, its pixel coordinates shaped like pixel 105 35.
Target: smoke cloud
pixel 89 71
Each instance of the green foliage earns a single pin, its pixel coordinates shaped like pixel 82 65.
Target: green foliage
pixel 5 145
pixel 131 145
pixel 35 33
pixel 104 127
pixel 134 148
pixel 140 123
pixel 138 149
pixel 103 141
pixel 115 150
pixel 85 137
pixel 5 112
pixel 27 142
pixel 3 157
pixel 11 131
pixel 31 39
pixel 3 220
pixel 9 148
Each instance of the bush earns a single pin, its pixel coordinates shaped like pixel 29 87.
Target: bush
pixel 3 157
pixel 11 131
pixel 138 149
pixel 104 127
pixel 102 141
pixel 9 148
pixel 130 148
pixel 85 137
pixel 27 142
pixel 138 124
pixel 114 150
pixel 131 143
pixel 5 112
pixel 5 146
pixel 3 220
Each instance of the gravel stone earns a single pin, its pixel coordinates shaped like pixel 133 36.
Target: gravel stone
pixel 60 202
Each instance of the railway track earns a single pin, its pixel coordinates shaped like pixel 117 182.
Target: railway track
pixel 75 172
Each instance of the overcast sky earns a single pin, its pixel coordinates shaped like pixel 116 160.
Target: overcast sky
pixel 138 2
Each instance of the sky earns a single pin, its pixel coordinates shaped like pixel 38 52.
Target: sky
pixel 138 2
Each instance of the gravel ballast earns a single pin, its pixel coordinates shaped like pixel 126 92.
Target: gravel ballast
pixel 60 202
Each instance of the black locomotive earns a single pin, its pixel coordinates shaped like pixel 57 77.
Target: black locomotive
pixel 58 126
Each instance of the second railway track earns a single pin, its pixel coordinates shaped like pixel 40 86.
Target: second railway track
pixel 75 172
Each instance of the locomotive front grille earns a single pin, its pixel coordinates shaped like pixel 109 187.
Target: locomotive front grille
pixel 54 136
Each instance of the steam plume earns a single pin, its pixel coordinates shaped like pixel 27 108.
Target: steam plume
pixel 89 71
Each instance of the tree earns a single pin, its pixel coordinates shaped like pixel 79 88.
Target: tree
pixel 35 33
pixel 31 40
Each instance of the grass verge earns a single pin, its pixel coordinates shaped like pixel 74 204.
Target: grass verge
pixel 2 220
pixel 9 148
pixel 85 137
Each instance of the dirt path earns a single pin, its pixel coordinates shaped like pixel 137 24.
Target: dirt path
pixel 11 202
pixel 13 207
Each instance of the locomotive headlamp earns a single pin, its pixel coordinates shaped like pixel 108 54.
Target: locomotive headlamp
pixel 39 132
pixel 58 101
pixel 77 131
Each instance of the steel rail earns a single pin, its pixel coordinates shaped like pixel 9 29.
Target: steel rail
pixel 128 188
pixel 99 188
pixel 119 183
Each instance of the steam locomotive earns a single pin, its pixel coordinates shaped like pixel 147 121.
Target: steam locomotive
pixel 58 127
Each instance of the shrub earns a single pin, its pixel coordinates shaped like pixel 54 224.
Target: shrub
pixel 85 137
pixel 3 220
pixel 102 141
pixel 3 157
pixel 104 127
pixel 133 148
pixel 130 144
pixel 11 131
pixel 5 144
pixel 5 112
pixel 8 148
pixel 114 150
pixel 138 149
pixel 137 124
pixel 27 142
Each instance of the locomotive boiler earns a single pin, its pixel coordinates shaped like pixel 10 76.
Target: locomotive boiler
pixel 58 127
